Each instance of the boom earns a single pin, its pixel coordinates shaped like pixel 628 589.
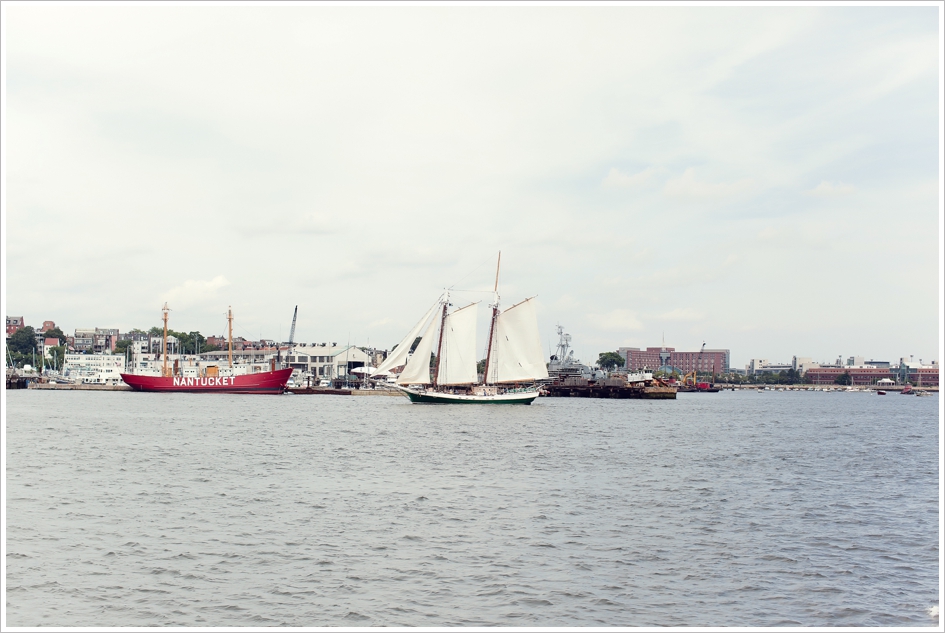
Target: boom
pixel 292 331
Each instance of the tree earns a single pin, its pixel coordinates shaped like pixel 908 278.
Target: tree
pixel 122 345
pixel 54 333
pixel 481 366
pixel 23 341
pixel 57 355
pixel 157 331
pixel 610 360
pixel 844 379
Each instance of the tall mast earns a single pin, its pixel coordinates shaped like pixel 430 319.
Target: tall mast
pixel 165 310
pixel 439 345
pixel 495 315
pixel 229 320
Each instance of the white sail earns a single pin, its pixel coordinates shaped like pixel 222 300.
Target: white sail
pixel 516 350
pixel 417 371
pixel 398 355
pixel 457 362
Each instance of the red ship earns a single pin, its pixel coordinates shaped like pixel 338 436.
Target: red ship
pixel 211 381
pixel 261 382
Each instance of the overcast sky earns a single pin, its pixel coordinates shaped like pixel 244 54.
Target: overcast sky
pixel 759 179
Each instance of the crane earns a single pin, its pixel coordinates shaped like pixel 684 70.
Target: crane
pixel 693 375
pixel 292 331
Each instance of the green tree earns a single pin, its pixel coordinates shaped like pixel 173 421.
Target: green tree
pixel 57 355
pixel 54 333
pixel 122 346
pixel 23 341
pixel 610 360
pixel 844 379
pixel 157 331
pixel 481 366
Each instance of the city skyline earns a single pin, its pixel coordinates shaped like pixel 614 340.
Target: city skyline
pixel 761 179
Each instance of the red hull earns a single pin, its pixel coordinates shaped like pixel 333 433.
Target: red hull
pixel 263 382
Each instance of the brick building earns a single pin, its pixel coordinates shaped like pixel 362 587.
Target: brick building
pixel 710 360
pixel 14 324
pixel 925 376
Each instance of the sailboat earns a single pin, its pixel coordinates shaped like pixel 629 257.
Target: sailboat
pixel 514 359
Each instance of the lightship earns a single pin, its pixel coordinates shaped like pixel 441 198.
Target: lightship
pixel 210 379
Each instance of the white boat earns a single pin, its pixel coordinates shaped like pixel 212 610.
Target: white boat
pixel 514 359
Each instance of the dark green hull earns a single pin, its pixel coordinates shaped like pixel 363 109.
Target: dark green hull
pixel 445 398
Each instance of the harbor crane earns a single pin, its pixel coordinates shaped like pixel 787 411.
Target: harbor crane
pixel 292 331
pixel 692 377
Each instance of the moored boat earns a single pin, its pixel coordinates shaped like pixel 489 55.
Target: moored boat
pixel 211 379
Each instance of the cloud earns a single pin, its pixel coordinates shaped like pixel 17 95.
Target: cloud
pixel 616 320
pixel 686 186
pixel 194 291
pixel 682 314
pixel 617 179
pixel 831 189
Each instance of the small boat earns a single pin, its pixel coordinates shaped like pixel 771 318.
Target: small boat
pixel 922 393
pixel 880 393
pixel 906 391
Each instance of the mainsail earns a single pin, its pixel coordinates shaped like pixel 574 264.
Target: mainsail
pixel 417 371
pixel 516 348
pixel 398 356
pixel 457 361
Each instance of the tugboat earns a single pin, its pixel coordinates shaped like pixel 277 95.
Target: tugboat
pixel 211 379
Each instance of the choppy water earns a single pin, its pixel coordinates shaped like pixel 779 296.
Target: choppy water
pixel 740 509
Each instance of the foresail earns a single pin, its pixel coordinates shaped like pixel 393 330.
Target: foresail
pixel 398 355
pixel 417 371
pixel 516 351
pixel 457 362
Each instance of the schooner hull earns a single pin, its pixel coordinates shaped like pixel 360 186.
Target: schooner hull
pixel 434 397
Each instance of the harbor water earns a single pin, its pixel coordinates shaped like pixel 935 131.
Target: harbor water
pixel 740 509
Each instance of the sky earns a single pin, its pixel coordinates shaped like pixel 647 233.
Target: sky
pixel 759 179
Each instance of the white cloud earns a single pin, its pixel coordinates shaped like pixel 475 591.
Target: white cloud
pixel 681 315
pixel 391 173
pixel 618 179
pixel 616 320
pixel 831 189
pixel 194 291
pixel 686 186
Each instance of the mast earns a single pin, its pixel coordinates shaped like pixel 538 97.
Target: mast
pixel 165 310
pixel 229 320
pixel 495 315
pixel 439 345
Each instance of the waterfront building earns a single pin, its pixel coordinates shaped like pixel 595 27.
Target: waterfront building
pixel 710 360
pixel 104 368
pixel 48 325
pixel 763 366
pixel 14 324
pixel 913 373
pixel 328 360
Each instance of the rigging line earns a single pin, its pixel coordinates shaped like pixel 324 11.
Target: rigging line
pixel 471 272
